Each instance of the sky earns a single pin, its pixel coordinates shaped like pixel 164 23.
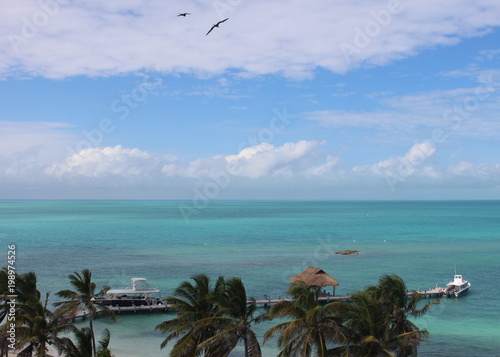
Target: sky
pixel 288 99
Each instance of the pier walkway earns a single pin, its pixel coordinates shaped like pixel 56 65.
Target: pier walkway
pixel 324 298
pixel 433 292
pixel 118 309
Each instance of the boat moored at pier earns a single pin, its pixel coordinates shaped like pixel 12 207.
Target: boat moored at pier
pixel 457 287
pixel 137 294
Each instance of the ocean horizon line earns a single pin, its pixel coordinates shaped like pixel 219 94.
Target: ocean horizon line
pixel 246 200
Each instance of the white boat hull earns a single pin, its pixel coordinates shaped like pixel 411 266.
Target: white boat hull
pixel 457 287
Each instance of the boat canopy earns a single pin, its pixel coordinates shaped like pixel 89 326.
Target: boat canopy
pixel 139 286
pixel 132 291
pixel 457 280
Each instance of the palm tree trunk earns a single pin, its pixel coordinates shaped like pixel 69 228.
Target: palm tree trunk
pixel 91 325
pixel 245 338
pixel 5 347
pixel 41 350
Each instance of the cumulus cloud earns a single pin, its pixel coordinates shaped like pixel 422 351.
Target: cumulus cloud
pixel 97 162
pixel 257 161
pixel 414 162
pixel 302 163
pixel 325 168
pixel 57 39
pixel 21 164
pixel 294 159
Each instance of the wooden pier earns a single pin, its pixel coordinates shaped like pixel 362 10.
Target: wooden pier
pixel 431 293
pixel 127 309
pixel 434 292
pixel 322 298
pixel 327 298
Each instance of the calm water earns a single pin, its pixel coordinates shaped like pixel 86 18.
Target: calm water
pixel 265 243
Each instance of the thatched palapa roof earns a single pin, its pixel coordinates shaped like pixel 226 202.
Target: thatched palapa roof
pixel 314 277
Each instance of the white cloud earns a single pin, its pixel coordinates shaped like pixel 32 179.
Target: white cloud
pixel 489 55
pixel 466 112
pixel 21 164
pixel 302 164
pixel 414 162
pixel 93 38
pixel 262 160
pixel 474 170
pixel 337 118
pixel 325 168
pixel 267 160
pixel 97 162
pixel 47 137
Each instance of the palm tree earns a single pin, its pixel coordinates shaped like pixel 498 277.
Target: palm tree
pixel 26 287
pixel 82 347
pixel 4 311
pixel 233 321
pixel 4 344
pixel 37 327
pixel 401 305
pixel 82 300
pixel 25 290
pixel 378 319
pixel 193 303
pixel 103 350
pixel 313 328
pixel 367 323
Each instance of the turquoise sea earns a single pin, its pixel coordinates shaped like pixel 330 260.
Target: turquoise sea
pixel 265 243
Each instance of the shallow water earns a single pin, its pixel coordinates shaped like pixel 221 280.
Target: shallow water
pixel 265 243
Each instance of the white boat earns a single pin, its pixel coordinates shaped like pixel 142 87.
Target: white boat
pixel 137 294
pixel 457 287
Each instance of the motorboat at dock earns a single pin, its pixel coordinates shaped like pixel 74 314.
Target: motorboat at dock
pixel 457 287
pixel 137 294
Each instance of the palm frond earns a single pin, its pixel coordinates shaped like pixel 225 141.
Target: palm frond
pixel 106 337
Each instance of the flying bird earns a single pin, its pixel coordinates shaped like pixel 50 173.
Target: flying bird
pixel 217 25
pixel 184 14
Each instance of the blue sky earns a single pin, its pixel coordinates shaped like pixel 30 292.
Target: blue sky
pixel 285 100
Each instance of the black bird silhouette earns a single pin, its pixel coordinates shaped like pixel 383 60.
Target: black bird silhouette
pixel 217 25
pixel 184 14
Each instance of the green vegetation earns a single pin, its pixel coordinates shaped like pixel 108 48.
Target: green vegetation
pixel 82 347
pixel 375 321
pixel 233 321
pixel 312 326
pixel 193 303
pixel 81 299
pixel 37 327
pixel 213 318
